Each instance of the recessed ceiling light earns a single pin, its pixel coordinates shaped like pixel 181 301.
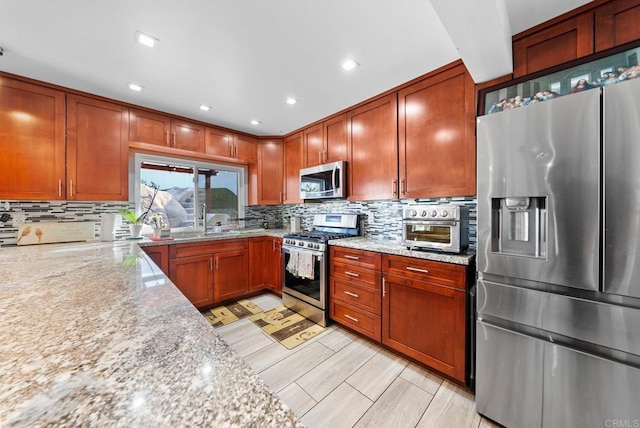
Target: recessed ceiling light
pixel 145 39
pixel 255 122
pixel 291 101
pixel 134 87
pixel 349 64
pixel 205 108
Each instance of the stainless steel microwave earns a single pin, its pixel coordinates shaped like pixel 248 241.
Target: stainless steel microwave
pixel 324 181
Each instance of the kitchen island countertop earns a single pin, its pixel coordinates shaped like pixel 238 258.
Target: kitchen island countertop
pixel 94 334
pixel 387 247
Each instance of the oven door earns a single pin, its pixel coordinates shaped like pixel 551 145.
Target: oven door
pixel 310 290
pixel 438 235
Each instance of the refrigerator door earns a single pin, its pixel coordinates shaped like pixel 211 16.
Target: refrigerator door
pixel 538 192
pixel 621 183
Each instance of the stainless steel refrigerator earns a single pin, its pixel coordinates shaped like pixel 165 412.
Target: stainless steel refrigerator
pixel 558 294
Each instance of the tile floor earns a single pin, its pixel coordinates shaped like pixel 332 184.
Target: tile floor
pixel 338 379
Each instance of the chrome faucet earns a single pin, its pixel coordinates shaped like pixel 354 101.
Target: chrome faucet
pixel 203 217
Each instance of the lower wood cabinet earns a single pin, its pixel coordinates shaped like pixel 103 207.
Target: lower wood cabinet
pixel 265 264
pixel 159 254
pixel 414 306
pixel 210 272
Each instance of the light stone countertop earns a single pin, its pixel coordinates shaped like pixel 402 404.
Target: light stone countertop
pixel 186 237
pixel 378 246
pixel 94 334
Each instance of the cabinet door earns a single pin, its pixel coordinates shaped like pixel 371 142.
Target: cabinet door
pixel 270 161
pixel 246 149
pixel 562 42
pixel 97 150
pixel 258 262
pixel 160 256
pixel 437 136
pixel 373 150
pixel 425 321
pixel 187 135
pixel 335 139
pixel 617 23
pixel 32 141
pixel 219 142
pixel 193 277
pixel 313 150
pixel 146 127
pixel 292 166
pixel 231 275
pixel 274 265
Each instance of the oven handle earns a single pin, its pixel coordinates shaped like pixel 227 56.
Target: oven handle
pixel 287 248
pixel 431 222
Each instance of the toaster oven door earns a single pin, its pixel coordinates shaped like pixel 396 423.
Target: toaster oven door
pixel 439 235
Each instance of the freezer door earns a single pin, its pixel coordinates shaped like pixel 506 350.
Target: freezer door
pixel 544 158
pixel 621 183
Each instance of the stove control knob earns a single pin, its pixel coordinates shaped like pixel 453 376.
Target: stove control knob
pixel 444 213
pixel 413 213
pixel 423 213
pixel 434 213
pixel 316 246
pixel 301 244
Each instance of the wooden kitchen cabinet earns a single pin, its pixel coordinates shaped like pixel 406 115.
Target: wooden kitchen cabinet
pixel 437 150
pixel 313 146
pixel 423 316
pixel 210 272
pixel 221 142
pixel 355 290
pixel 265 264
pixel 616 23
pixel 158 129
pixel 325 142
pixel 159 254
pixel 274 266
pixel 97 150
pixel 373 150
pixel 32 141
pixel 269 172
pixel 292 166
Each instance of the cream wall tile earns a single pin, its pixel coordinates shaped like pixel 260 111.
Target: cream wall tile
pixel 342 408
pixel 377 374
pixel 252 343
pixel 297 399
pixel 401 405
pixel 324 378
pixel 296 365
pixel 337 339
pixel 422 378
pixel 451 407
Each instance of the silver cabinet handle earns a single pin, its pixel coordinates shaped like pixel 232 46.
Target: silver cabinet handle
pixel 70 188
pixel 354 319
pixel 346 272
pixel 347 256
pixel 384 286
pixel 60 187
pixel 230 151
pixel 211 264
pixel 349 293
pixel 166 138
pixel 417 270
pixel 394 186
pixel 403 184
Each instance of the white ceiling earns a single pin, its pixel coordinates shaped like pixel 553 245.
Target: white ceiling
pixel 242 57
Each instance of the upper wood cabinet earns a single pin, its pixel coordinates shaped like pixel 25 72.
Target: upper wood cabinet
pixel 32 141
pixel 292 166
pixel 437 138
pixel 97 150
pixel 246 148
pixel 562 42
pixel 325 142
pixel 269 173
pixel 617 22
pixel 154 128
pixel 373 150
pixel 219 142
pixel 313 150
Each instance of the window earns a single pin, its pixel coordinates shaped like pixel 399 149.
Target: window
pixel 178 189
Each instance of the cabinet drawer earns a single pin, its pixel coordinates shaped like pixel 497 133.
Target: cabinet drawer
pixel 197 248
pixel 355 294
pixel 357 274
pixel 365 259
pixel 357 319
pixel 447 274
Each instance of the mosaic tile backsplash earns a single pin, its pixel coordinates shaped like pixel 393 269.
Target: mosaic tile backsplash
pixel 386 215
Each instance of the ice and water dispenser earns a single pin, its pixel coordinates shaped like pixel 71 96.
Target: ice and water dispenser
pixel 518 226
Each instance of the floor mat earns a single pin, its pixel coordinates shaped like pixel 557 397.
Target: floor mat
pixel 223 315
pixel 286 326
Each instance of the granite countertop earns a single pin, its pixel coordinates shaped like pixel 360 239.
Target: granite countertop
pixel 94 334
pixel 185 237
pixel 362 243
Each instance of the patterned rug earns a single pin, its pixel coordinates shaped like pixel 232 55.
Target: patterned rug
pixel 223 315
pixel 286 326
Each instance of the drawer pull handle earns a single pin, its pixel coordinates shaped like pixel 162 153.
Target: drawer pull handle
pixel 349 293
pixel 348 256
pixel 417 270
pixel 384 286
pixel 346 272
pixel 354 319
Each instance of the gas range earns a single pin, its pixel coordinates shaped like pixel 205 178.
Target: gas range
pixel 313 240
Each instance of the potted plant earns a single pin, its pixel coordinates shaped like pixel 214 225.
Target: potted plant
pixel 157 223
